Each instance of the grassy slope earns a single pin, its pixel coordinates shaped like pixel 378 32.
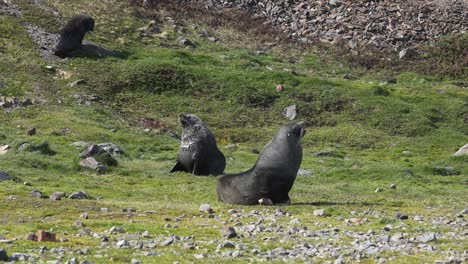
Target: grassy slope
pixel 233 91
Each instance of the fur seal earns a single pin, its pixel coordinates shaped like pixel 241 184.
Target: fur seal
pixel 272 176
pixel 72 34
pixel 198 153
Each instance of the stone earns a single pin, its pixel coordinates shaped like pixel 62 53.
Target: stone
pixel 279 88
pixel 428 237
pixel 56 196
pixel 396 237
pixel 77 82
pixel 335 2
pixel 122 244
pixel 135 261
pixel 401 216
pixel 91 151
pixel 290 112
pixel 93 164
pixel 199 256
pixel 72 261
pixel 19 257
pixel 320 212
pixel 231 147
pixel 393 186
pixel 206 208
pixel 167 242
pixel 31 237
pixel 78 195
pixel 184 42
pixel 378 190
pixel 407 53
pixel 304 173
pixel 4 176
pixel 3 150
pixel 116 229
pixel 464 211
pixel 3 255
pixel 226 245
pixel 111 148
pixel 43 236
pixel 265 201
pixel 228 232
pixel 461 152
pixel 145 234
pixel 35 194
pixel 105 210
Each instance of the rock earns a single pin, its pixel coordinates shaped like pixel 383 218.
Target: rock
pixel 184 42
pixel 206 208
pixel 4 176
pixel 226 245
pixel 461 152
pixel 77 82
pixel 43 236
pixel 320 212
pixel 111 148
pixel 84 216
pixel 3 255
pixel 122 244
pixel 396 237
pixel 4 149
pixel 35 194
pixel 228 232
pixel 290 112
pixel 199 256
pixel 116 229
pixel 72 261
pixel 19 257
pixel 388 227
pixel 78 195
pixel 445 171
pixel 464 211
pixel 27 184
pixel 135 261
pixel 32 131
pixel 31 237
pixel 145 234
pixel 92 151
pixel 425 238
pixel 105 210
pixel 335 2
pixel 167 242
pixel 393 186
pixel 265 201
pixel 304 173
pixel 56 196
pixel 407 53
pixel 401 216
pixel 93 164
pixel 231 147
pixel 378 190
pixel 279 88
pixel 80 144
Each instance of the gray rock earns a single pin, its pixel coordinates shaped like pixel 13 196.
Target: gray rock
pixel 116 229
pixel 84 215
pixel 393 186
pixel 72 261
pixel 199 256
pixel 320 212
pixel 78 195
pixel 93 164
pixel 167 242
pixel 182 41
pixel 122 244
pixel 56 196
pixel 290 112
pixel 407 53
pixel 206 208
pixel 428 237
pixel 464 211
pixel 19 257
pixel 401 216
pixel 226 245
pixel 105 210
pixel 35 194
pixel 23 147
pixel 462 151
pixel 396 237
pixel 92 151
pixel 136 261
pixel 228 232
pixel 3 255
pixel 304 173
pixel 111 148
pixel 145 234
pixel 77 82
pixel 4 176
pixel 335 2
pixel 378 190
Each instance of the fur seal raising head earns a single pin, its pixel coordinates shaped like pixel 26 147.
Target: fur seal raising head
pixel 198 153
pixel 72 34
pixel 272 176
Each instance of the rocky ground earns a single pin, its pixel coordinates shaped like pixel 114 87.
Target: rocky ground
pixel 308 239
pixel 381 24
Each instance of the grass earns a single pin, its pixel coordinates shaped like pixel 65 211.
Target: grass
pixel 385 134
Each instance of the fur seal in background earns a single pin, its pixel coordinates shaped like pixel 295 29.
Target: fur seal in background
pixel 72 34
pixel 198 153
pixel 272 176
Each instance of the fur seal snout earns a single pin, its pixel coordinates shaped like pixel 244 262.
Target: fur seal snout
pixel 199 153
pixel 273 174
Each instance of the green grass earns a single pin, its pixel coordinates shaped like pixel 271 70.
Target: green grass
pixel 385 134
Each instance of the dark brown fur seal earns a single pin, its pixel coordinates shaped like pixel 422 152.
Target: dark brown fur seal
pixel 199 153
pixel 72 34
pixel 272 176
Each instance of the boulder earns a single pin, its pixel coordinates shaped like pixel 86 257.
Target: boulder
pixel 4 176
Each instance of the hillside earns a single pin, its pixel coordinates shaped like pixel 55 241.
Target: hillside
pixel 379 144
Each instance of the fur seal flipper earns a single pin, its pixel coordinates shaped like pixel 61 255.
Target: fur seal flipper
pixel 199 153
pixel 273 174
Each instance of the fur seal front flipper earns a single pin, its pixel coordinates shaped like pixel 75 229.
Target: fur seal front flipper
pixel 273 174
pixel 199 153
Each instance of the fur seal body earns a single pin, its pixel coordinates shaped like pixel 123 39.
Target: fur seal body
pixel 272 176
pixel 72 34
pixel 199 153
